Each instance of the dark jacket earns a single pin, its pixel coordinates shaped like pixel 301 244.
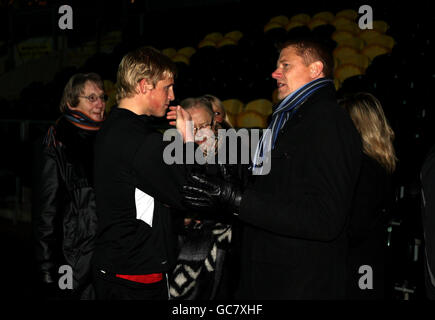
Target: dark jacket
pixel 367 230
pixel 295 239
pixel 64 214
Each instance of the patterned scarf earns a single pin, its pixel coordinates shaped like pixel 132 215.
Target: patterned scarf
pixel 285 110
pixel 82 120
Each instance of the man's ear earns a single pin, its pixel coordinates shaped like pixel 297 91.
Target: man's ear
pixel 69 105
pixel 144 86
pixel 316 69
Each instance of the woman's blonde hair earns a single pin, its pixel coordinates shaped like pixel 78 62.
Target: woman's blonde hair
pixel 370 121
pixel 143 63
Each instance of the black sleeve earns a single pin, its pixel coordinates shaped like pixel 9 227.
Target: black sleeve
pixel 158 179
pixel 45 210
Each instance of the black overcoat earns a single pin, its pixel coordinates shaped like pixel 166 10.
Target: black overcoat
pixel 294 244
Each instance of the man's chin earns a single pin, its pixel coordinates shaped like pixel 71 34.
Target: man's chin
pixel 282 95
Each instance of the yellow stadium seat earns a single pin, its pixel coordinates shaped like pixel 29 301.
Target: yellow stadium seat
pixel 272 25
pixel 170 52
pixel 262 106
pixel 340 20
pixel 293 24
pixel 348 26
pixel 283 20
pixel 187 51
pixel 368 34
pixel 348 13
pixel 233 106
pixel 354 42
pixel 324 15
pixel 226 42
pixel 357 59
pixel 339 36
pixel 346 71
pixel 348 55
pixel 231 119
pixel 301 17
pixel 342 51
pixel 382 40
pixel 380 25
pixel 343 55
pixel 214 36
pixel 361 61
pixel 251 119
pixel 315 22
pixel 374 50
pixel 235 35
pixel 206 43
pixel 181 58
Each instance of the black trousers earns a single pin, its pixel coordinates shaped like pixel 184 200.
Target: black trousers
pixel 112 288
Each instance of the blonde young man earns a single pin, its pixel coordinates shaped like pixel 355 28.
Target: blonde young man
pixel 134 187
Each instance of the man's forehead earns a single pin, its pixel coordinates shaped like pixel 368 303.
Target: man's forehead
pixel 287 52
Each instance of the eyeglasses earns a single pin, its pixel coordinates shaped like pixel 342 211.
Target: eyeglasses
pixel 207 125
pixel 93 97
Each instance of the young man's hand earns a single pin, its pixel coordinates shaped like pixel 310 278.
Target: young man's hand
pixel 183 122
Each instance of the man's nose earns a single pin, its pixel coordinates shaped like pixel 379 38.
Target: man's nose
pixel 276 74
pixel 171 95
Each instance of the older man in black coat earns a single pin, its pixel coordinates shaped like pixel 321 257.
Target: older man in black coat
pixel 296 207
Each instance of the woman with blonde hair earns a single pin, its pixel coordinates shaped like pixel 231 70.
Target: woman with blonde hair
pixel 373 196
pixel 377 136
pixel 220 115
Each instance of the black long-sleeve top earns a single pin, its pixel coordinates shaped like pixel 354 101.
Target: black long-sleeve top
pixel 135 189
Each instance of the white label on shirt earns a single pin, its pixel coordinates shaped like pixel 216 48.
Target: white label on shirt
pixel 144 206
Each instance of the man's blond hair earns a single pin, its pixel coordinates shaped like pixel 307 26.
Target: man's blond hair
pixel 143 63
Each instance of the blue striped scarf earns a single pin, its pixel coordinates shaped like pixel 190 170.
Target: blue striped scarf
pixel 82 120
pixel 286 109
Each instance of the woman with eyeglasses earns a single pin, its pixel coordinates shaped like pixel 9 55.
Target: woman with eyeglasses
pixel 64 215
pixel 206 241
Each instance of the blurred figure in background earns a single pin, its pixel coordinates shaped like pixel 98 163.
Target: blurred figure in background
pixel 373 195
pixel 220 115
pixel 64 216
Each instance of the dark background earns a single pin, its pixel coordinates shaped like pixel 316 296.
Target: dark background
pixel 402 80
